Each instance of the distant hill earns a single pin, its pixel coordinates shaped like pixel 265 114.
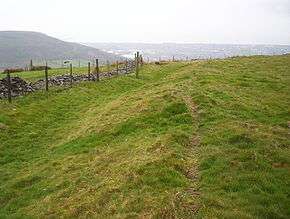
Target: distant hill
pixel 18 47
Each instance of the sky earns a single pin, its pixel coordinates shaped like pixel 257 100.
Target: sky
pixel 154 21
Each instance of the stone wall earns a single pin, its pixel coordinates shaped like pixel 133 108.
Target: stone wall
pixel 20 87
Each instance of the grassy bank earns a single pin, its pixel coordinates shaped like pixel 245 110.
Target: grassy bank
pixel 201 139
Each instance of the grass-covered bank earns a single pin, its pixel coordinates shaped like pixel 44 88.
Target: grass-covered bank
pixel 244 125
pixel 207 136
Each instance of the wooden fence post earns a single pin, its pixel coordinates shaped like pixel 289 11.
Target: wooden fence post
pixel 9 87
pixel 108 66
pixel 137 65
pixel 71 74
pixel 97 69
pixel 117 66
pixel 30 65
pixel 126 66
pixel 140 60
pixel 46 76
pixel 89 69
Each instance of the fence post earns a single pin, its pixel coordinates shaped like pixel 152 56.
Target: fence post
pixel 141 59
pixel 89 71
pixel 108 66
pixel 46 76
pixel 97 69
pixel 137 65
pixel 9 87
pixel 117 64
pixel 126 66
pixel 31 65
pixel 71 74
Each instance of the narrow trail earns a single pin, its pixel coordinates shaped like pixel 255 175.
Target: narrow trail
pixel 188 200
pixel 192 172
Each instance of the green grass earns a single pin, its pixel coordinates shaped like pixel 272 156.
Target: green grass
pixel 32 76
pixel 203 139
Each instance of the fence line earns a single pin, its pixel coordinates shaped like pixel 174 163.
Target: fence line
pixel 10 90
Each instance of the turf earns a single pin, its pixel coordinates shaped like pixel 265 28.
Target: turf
pixel 206 139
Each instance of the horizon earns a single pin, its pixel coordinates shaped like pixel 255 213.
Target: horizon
pixel 185 43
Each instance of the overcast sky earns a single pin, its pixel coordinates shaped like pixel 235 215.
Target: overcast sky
pixel 197 21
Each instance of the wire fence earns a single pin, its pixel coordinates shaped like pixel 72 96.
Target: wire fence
pixel 11 87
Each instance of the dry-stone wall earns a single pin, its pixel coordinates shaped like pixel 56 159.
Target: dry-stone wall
pixel 21 87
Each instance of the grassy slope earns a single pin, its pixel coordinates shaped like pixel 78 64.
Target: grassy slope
pixel 245 154
pixel 133 147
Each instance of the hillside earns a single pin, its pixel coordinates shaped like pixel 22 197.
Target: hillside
pixel 207 139
pixel 17 48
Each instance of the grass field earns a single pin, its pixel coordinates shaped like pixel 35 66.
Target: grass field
pixel 204 139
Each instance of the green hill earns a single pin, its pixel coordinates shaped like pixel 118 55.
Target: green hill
pixel 18 47
pixel 206 139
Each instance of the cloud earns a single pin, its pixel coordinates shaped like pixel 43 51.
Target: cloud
pixel 208 21
pixel 278 7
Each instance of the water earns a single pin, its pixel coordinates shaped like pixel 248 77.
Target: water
pixel 166 51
